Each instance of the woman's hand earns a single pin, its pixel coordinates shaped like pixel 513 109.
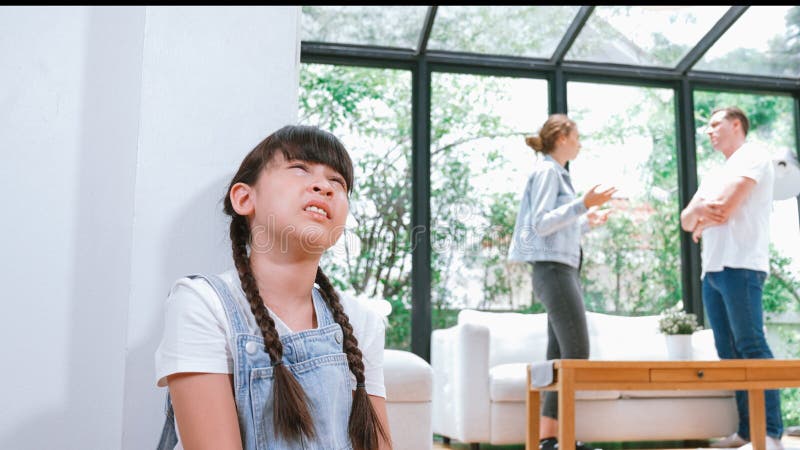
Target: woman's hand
pixel 596 217
pixel 595 198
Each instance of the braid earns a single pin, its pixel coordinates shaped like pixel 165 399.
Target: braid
pixel 291 415
pixel 364 428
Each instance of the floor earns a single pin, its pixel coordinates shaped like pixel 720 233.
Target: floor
pixel 789 443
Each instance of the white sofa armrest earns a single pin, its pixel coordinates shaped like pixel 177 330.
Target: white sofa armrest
pixel 461 402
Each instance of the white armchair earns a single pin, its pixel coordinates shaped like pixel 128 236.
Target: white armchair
pixel 408 380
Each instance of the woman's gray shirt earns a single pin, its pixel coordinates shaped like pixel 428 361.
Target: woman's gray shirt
pixel 550 219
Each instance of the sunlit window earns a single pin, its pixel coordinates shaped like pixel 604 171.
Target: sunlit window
pixel 370 111
pixel 533 31
pixel 764 41
pixel 643 35
pixel 388 26
pixel 632 263
pixel 479 166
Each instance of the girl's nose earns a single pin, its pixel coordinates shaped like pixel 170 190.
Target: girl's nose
pixel 323 187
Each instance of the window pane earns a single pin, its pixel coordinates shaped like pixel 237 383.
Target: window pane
pixel 479 166
pixel 772 128
pixel 764 41
pixel 389 26
pixel 532 31
pixel 631 265
pixel 370 111
pixel 643 35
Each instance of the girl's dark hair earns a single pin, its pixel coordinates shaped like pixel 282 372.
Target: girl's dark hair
pixel 292 416
pixel 555 126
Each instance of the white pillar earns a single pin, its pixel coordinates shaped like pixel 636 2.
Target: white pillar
pixel 215 82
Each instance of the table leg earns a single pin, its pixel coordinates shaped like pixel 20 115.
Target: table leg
pixel 758 419
pixel 532 438
pixel 566 409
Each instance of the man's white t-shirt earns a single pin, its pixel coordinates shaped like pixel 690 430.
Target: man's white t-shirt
pixel 743 241
pixel 196 330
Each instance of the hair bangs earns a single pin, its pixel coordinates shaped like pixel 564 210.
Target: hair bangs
pixel 306 143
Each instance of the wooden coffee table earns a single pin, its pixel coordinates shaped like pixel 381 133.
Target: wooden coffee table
pixel 570 375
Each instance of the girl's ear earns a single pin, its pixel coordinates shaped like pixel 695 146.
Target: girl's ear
pixel 242 200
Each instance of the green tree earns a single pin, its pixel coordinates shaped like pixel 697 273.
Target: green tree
pixel 632 265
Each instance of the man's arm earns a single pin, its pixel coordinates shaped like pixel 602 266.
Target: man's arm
pixel 690 214
pixel 702 213
pixel 699 211
pixel 731 197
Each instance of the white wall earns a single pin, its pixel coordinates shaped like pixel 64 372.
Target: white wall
pixel 215 82
pixel 119 128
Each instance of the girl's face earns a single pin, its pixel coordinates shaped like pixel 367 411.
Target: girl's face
pixel 298 202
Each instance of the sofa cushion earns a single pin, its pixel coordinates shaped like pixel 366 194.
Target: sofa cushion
pixel 703 347
pixel 621 338
pixel 507 383
pixel 514 337
pixel 408 378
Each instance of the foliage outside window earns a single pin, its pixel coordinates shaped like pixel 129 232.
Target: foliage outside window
pixel 631 266
pixel 370 111
pixel 479 166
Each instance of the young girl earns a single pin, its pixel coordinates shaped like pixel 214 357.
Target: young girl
pixel 547 235
pixel 268 355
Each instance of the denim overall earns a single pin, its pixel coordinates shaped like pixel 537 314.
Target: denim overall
pixel 316 359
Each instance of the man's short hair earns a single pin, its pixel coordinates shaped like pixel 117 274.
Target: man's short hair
pixel 732 112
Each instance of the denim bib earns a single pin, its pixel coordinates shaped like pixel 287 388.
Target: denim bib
pixel 316 359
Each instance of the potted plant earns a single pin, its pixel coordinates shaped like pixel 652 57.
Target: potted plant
pixel 678 327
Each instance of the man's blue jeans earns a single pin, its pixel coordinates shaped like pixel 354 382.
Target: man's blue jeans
pixel 732 299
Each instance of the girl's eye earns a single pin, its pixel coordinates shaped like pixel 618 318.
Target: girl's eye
pixel 299 166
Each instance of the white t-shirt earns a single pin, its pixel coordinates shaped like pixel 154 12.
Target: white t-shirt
pixel 196 330
pixel 743 241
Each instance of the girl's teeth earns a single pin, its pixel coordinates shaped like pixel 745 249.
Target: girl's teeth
pixel 317 210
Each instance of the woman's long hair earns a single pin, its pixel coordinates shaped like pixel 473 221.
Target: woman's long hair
pixel 292 417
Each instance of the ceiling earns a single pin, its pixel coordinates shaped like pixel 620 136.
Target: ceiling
pixel 760 41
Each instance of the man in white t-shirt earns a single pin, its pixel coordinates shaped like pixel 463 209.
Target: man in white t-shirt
pixel 731 212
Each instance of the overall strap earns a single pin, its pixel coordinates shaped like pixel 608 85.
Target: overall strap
pixel 324 312
pixel 236 318
pixel 169 436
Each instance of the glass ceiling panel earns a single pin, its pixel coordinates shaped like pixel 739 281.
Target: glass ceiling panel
pixel 532 31
pixel 764 41
pixel 388 26
pixel 643 35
